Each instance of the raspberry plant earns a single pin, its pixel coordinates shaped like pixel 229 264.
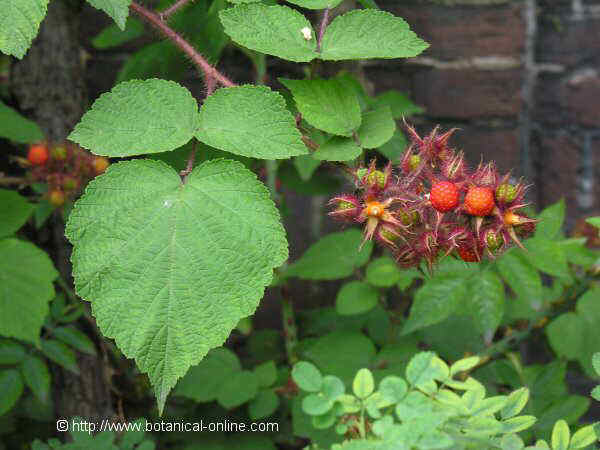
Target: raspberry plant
pixel 176 238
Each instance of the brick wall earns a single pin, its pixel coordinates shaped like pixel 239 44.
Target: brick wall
pixel 521 78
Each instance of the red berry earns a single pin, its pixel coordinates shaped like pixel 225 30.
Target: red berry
pixel 444 196
pixel 467 254
pixel 479 201
pixel 38 154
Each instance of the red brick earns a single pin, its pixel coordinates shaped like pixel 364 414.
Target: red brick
pixel 581 98
pixel 467 94
pixel 456 32
pixel 566 41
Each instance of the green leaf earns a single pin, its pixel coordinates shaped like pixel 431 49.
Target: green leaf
pixel 595 394
pixel 370 33
pixel 485 302
pixel 333 388
pixel 596 362
pixel 377 127
pixel 583 437
pixel 237 389
pixel 363 384
pixel 202 382
pixel 560 436
pixel 118 10
pixel 306 166
pixel 250 121
pixel 185 293
pixel 398 102
pixel 19 24
pixel 515 403
pixel 523 279
pixel 569 407
pixel 316 404
pixel 266 373
pixel 14 210
pixel 329 105
pixel 516 424
pixel 356 297
pixel 435 301
pixel 61 354
pixel 316 4
pixel 551 220
pixel 512 442
pixel 547 256
pixel 594 221
pixel 383 272
pixel 332 257
pixel 464 364
pixel 263 405
pixel 338 149
pixel 15 127
pixel 26 275
pixel 393 388
pixel 394 148
pixel 11 352
pixel 307 376
pixel 113 36
pixel 75 338
pixel 11 387
pixel 564 335
pixel 37 377
pixel 274 30
pixel 425 367
pixel 156 60
pixel 138 117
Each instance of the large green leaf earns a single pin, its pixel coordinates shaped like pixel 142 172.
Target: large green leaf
pixel 370 33
pixel 274 30
pixel 14 210
pixel 377 128
pixel 333 256
pixel 19 23
pixel 523 279
pixel 117 9
pixel 316 4
pixel 485 302
pixel 565 335
pixel 11 386
pixel 547 255
pixel 17 128
pixel 138 117
pixel 329 105
pixel 551 220
pixel 435 301
pixel 338 149
pixel 171 268
pixel 26 275
pixel 250 121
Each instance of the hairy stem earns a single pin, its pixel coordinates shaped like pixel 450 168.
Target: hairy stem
pixel 210 73
pixel 190 162
pixel 290 330
pixel 322 28
pixel 168 12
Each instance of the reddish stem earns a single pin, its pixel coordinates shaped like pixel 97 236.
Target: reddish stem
pixel 199 60
pixel 190 162
pixel 168 12
pixel 324 22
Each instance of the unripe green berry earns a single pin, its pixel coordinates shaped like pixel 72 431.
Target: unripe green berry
pixel 376 177
pixel 59 153
pixel 506 193
pixel 387 234
pixel 408 218
pixel 494 241
pixel 69 183
pixel 414 162
pixel 360 173
pixel 344 205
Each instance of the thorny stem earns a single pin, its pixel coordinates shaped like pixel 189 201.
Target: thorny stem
pixel 290 330
pixel 322 28
pixel 168 12
pixel 210 73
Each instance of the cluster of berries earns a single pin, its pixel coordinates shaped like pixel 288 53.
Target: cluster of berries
pixel 433 205
pixel 65 167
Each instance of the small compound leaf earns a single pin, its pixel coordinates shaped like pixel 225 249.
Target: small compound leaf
pixel 171 268
pixel 274 30
pixel 26 275
pixel 14 210
pixel 118 10
pixel 19 24
pixel 17 128
pixel 11 386
pixel 263 405
pixel 266 373
pixel 356 297
pixel 363 384
pixel 237 389
pixel 596 362
pixel 37 376
pixel 307 376
pixel 11 352
pixel 583 437
pixel 250 121
pixel 464 364
pixel 370 33
pixel 377 128
pixel 515 403
pixel 561 435
pixel 138 117
pixel 60 354
pixel 383 272
pixel 75 338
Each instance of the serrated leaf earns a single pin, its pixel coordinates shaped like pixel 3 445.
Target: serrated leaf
pixel 370 33
pixel 263 405
pixel 250 121
pixel 19 24
pixel 485 301
pixel 138 117
pixel 118 10
pixel 184 293
pixel 547 256
pixel 523 279
pixel 26 275
pixel 399 103
pixel 435 301
pixel 377 127
pixel 583 437
pixel 37 377
pixel 75 338
pixel 61 354
pixel 561 436
pixel 15 127
pixel 11 387
pixel 274 30
pixel 551 220
pixel 113 36
pixel 356 297
pixel 338 149
pixel 237 389
pixel 316 4
pixel 307 376
pixel 363 384
pixel 14 210
pixel 202 382
pixel 11 352
pixel 515 403
pixel 329 105
pixel 383 272
pixel 334 256
pixel 564 335
pixel 394 148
